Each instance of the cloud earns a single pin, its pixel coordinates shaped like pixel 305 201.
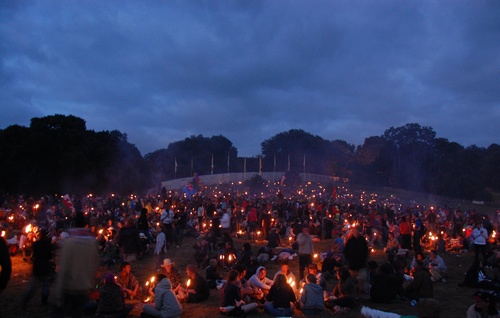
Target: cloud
pixel 163 71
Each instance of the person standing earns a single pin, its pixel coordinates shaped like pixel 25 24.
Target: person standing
pixel 167 218
pixel 405 231
pixel 305 251
pixel 43 268
pixel 356 254
pixel 418 232
pixel 78 266
pixel 5 263
pixel 143 225
pixel 479 236
pixel 160 247
pixel 128 240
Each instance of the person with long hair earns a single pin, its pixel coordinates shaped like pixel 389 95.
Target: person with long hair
pixel 344 292
pixel 232 303
pixel 280 298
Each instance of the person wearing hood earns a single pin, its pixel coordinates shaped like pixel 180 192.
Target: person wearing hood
pixel 311 298
pixel 166 304
pixel 260 281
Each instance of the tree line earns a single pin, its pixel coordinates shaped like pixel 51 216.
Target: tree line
pixel 57 154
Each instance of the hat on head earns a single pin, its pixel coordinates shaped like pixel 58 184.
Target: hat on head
pixel 167 261
pixel 483 295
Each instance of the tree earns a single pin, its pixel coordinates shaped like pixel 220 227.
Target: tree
pixel 412 146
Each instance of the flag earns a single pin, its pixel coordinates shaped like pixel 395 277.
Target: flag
pixel 260 165
pixel 212 163
pixel 189 190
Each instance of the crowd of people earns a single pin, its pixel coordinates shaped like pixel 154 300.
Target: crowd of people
pixel 97 241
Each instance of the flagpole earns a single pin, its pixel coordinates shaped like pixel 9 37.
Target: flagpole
pixel 245 169
pixel 288 162
pixel 274 169
pixel 228 162
pixel 260 165
pixel 212 172
pixel 304 164
pixel 175 169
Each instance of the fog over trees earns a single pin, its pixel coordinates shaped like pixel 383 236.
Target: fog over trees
pixel 57 154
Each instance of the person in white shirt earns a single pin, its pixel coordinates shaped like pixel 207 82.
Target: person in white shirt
pixel 479 235
pixel 260 281
pixel 225 223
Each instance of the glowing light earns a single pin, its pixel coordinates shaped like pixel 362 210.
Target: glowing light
pixel 188 282
pixel 28 228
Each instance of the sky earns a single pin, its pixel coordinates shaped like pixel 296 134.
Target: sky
pixel 162 71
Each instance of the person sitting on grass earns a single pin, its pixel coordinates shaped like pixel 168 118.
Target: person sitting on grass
pixel 311 300
pixel 392 245
pixel 344 294
pixel 173 274
pixel 456 244
pixel 111 299
pixel 248 292
pixel 437 267
pixel 484 306
pixel 260 281
pixel 196 289
pixel 232 303
pixel 421 286
pixel 166 304
pixel 128 281
pixel 285 270
pixel 280 298
pixel 212 274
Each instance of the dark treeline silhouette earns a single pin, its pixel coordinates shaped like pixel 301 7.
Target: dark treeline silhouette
pixel 58 154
